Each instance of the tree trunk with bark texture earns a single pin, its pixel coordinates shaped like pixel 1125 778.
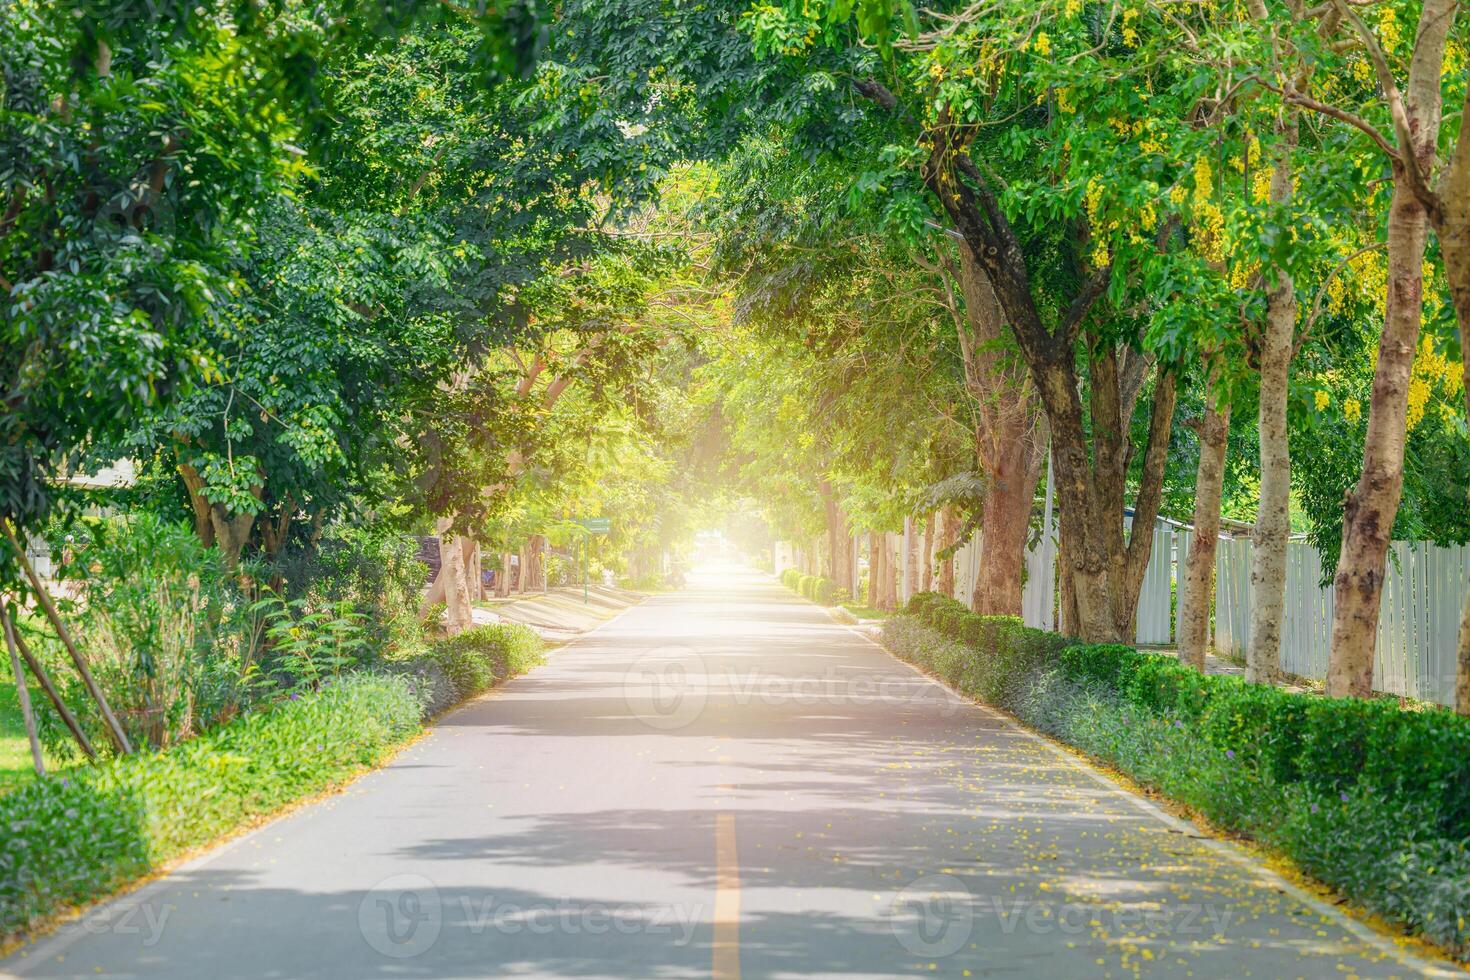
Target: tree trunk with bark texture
pixel 474 579
pixel 1197 587
pixel 910 558
pixel 928 582
pixel 890 571
pixel 1273 517
pixel 1449 212
pixel 1005 522
pixel 838 552
pixel 502 581
pixel 194 486
pixel 1371 507
pixel 1007 446
pixel 948 530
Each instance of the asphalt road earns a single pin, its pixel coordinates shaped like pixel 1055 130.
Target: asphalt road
pixel 718 783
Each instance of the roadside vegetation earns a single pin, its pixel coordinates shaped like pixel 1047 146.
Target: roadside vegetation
pixel 1372 799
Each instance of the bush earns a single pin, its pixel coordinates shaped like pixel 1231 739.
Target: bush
pixel 471 662
pixel 70 839
pixel 1368 797
pixel 154 605
pixel 374 567
pixel 822 591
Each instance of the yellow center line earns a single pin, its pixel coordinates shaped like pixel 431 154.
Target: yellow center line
pixel 726 962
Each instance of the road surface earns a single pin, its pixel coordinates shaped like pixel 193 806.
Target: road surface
pixel 721 782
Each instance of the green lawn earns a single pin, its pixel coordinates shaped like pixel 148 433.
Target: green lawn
pixel 15 752
pixel 864 612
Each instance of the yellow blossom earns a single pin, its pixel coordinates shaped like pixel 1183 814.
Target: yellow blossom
pixel 1389 32
pixel 1352 409
pixel 1204 180
pixel 1261 186
pixel 1042 44
pixel 1322 399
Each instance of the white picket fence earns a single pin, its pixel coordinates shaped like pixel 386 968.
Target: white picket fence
pixel 1418 624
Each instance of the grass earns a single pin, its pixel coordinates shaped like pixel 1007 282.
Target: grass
pixel 864 612
pixel 15 751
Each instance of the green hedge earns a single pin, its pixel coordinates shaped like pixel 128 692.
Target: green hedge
pixel 467 664
pixel 820 590
pixel 70 839
pixel 1364 795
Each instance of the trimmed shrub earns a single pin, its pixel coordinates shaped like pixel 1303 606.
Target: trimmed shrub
pixel 820 590
pixel 471 662
pixel 70 839
pixel 1369 797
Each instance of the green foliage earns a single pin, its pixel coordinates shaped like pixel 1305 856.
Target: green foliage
pixel 165 632
pixel 469 663
pixel 309 646
pixel 76 837
pixel 1370 798
pixel 373 566
pixel 508 648
pixel 822 591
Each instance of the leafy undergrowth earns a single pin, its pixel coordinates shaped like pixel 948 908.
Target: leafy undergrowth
pixel 470 663
pixel 1369 799
pixel 75 837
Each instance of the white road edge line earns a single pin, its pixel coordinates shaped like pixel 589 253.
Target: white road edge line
pixel 124 907
pixel 1384 944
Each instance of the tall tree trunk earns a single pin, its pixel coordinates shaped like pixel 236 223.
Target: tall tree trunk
pixel 949 531
pixel 1450 216
pixel 1197 589
pixel 839 554
pixel 1273 517
pixel 910 559
pixel 502 581
pixel 194 487
pixel 273 533
pixel 890 571
pixel 1083 557
pixel 1007 446
pixel 1005 521
pixel 451 586
pixel 928 582
pixel 1454 243
pixel 458 615
pixel 473 578
pixel 1371 507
